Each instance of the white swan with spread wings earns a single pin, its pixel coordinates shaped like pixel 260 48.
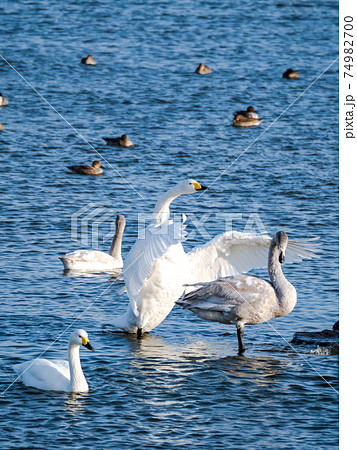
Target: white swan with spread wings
pixel 157 268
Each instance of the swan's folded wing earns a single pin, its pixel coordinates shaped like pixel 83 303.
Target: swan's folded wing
pixel 89 256
pixel 139 262
pixel 44 374
pixel 215 295
pixel 233 253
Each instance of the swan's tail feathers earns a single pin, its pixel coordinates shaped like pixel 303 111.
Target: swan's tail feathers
pixel 119 324
pixel 126 322
pixel 196 296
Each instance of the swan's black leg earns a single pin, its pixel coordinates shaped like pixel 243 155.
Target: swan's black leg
pixel 240 334
pixel 140 333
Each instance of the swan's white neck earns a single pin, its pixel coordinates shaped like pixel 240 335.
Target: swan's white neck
pixel 115 249
pixel 77 379
pixel 162 209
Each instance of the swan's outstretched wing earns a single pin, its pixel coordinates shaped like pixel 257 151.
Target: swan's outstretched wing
pixel 139 263
pixel 233 253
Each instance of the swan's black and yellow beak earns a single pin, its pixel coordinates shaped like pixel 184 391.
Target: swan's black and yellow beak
pixel 199 187
pixel 281 257
pixel 86 344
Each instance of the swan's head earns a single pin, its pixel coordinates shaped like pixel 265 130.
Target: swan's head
pixel 281 239
pixel 80 337
pixel 96 164
pixel 120 222
pixel 189 187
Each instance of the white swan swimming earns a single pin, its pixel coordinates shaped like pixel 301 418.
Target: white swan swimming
pixel 94 260
pixel 57 375
pixel 244 299
pixel 157 267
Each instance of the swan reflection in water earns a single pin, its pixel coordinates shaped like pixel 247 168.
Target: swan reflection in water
pixel 165 356
pixel 104 275
pixel 76 403
pixel 261 371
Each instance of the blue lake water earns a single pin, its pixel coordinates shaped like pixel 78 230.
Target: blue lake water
pixel 183 384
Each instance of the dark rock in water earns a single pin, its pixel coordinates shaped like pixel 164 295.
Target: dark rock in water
pixel 336 326
pixel 323 338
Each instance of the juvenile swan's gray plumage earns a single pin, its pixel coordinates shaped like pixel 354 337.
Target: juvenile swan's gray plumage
pixel 246 300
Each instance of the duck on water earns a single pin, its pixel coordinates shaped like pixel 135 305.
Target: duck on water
pixel 249 113
pixel 122 141
pixel 95 169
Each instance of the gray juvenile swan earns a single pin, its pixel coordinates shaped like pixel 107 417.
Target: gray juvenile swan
pixel 94 169
pixel 246 300
pixel 96 261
